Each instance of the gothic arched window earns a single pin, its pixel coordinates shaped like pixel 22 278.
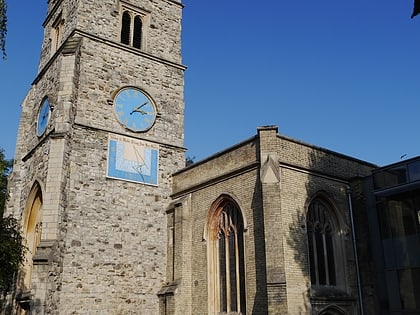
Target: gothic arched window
pixel 32 230
pixel 137 32
pixel 131 29
pixel 125 28
pixel 320 231
pixel 226 258
pixel 57 34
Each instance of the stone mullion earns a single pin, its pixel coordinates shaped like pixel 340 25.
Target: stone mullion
pixel 238 276
pixel 227 272
pixel 216 275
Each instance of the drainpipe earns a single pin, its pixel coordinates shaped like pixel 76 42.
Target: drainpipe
pixel 353 232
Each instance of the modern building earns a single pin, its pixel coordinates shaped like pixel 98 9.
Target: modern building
pixel 116 224
pixel 392 197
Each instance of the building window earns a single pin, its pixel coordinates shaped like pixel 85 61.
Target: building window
pixel 131 29
pixel 125 28
pixel 226 258
pixel 321 229
pixel 137 32
pixel 56 34
pixel 332 310
pixel 32 231
pixel 398 216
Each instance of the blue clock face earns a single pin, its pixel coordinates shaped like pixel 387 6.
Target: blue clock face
pixel 134 109
pixel 43 117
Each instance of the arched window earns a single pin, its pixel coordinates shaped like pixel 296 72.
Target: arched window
pixel 125 28
pixel 331 310
pixel 57 34
pixel 321 229
pixel 131 29
pixel 226 258
pixel 137 32
pixel 32 230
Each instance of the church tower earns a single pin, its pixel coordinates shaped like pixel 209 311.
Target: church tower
pixel 101 132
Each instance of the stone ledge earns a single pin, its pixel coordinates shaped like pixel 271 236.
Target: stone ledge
pixel 168 289
pixel 43 253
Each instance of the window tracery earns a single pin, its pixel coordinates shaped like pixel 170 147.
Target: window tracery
pixel 226 260
pixel 320 232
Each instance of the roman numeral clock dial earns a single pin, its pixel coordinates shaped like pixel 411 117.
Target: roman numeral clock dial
pixel 134 109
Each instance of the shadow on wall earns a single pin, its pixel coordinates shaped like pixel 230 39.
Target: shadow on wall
pixel 297 240
pixel 20 302
pixel 260 299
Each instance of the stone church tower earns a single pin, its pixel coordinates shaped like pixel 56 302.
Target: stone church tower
pixel 101 132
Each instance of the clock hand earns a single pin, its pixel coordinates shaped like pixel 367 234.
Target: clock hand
pixel 143 112
pixel 137 109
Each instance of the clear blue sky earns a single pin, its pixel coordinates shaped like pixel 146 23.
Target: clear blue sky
pixel 343 75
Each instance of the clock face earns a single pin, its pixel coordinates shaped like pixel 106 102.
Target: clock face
pixel 134 109
pixel 43 117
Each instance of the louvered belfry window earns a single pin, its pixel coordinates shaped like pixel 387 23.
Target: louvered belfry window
pixel 131 29
pixel 137 32
pixel 125 28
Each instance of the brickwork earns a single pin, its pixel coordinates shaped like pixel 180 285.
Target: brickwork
pixel 273 179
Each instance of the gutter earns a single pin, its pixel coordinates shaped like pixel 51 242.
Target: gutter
pixel 353 232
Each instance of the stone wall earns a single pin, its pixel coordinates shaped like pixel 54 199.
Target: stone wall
pixel 273 179
pixel 103 241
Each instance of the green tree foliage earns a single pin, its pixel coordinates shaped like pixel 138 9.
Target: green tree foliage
pixel 3 26
pixel 12 248
pixel 12 252
pixel 5 167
